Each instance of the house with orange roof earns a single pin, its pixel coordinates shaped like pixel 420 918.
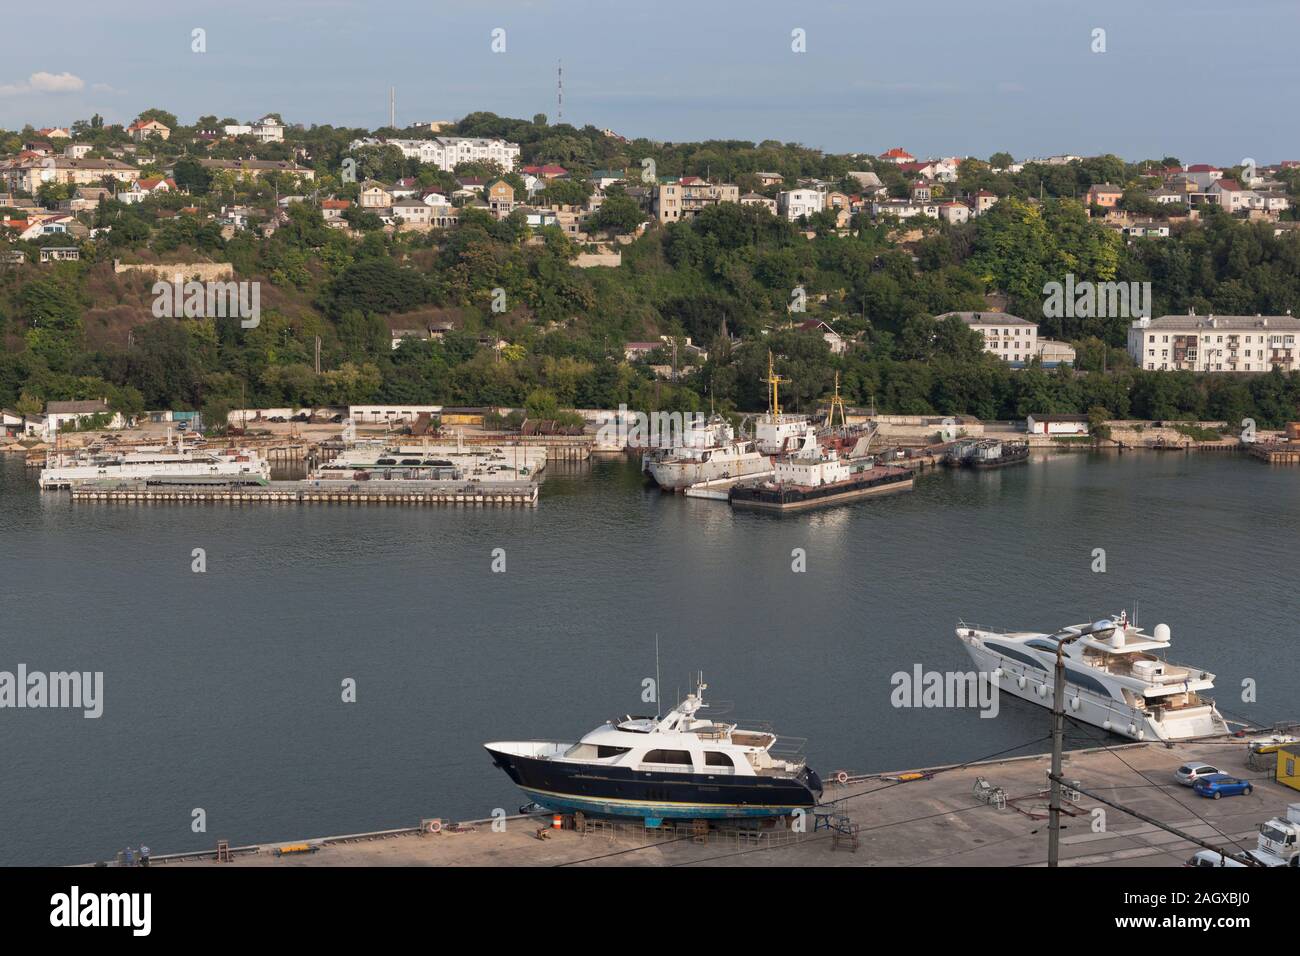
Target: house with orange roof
pixel 142 130
pixel 156 185
pixel 898 156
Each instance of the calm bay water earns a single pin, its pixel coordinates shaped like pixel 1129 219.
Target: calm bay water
pixel 222 690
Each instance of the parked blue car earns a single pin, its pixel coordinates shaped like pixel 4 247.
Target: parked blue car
pixel 1218 785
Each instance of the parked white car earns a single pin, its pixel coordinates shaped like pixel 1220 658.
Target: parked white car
pixel 1189 773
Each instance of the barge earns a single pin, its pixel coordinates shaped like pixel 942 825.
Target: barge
pixel 819 475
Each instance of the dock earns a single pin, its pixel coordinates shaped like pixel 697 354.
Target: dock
pixel 523 494
pixel 989 813
pixel 1276 453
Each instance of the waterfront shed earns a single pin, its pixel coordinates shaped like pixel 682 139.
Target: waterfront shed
pixel 1057 424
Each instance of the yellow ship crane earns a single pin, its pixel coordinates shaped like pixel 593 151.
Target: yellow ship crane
pixel 774 383
pixel 837 404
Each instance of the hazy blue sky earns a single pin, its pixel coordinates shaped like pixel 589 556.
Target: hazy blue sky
pixel 1205 81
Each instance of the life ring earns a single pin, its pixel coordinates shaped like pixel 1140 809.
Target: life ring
pixel 434 826
pixel 841 777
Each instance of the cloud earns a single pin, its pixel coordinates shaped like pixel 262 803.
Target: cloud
pixel 43 82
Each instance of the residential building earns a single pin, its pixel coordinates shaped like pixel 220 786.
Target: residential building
pixel 1147 229
pixel 333 209
pixel 904 208
pixel 794 204
pixel 268 129
pixel 1216 343
pixel 898 156
pixel 833 339
pixel 28 175
pixel 1230 195
pixel 766 179
pixel 60 253
pixel 683 198
pixel 500 198
pixel 374 195
pixel 446 152
pixel 1009 337
pixel 546 172
pixel 256 168
pixel 142 130
pixel 954 213
pixel 757 199
pixel 983 201
pixel 866 179
pixel 412 211
pixel 77 150
pixel 1104 195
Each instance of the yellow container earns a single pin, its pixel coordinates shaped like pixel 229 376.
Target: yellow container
pixel 1288 766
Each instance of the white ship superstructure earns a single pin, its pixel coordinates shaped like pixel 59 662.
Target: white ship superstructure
pixel 1116 677
pixel 176 462
pixel 690 466
pixel 776 433
pixel 445 462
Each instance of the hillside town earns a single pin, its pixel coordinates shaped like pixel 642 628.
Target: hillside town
pixel 828 244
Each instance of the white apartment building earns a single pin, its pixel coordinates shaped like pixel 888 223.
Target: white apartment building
pixel 446 152
pixel 794 203
pixel 1009 337
pixel 1216 343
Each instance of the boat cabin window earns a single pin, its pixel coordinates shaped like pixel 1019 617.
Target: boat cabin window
pixel 1042 645
pixel 682 757
pixel 716 758
pixel 604 750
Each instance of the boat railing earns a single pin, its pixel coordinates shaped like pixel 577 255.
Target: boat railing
pixel 788 748
pixel 971 626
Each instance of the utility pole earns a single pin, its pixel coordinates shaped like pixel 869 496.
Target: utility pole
pixel 1058 735
pixel 1062 638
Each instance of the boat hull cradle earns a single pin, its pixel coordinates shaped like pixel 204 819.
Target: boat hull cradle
pixel 625 792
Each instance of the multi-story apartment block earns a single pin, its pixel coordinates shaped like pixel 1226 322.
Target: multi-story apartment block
pixel 256 168
pixel 1216 343
pixel 794 203
pixel 681 199
pixel 30 174
pixel 446 152
pixel 1009 337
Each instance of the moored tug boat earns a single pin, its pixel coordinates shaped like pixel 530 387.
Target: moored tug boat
pixel 680 766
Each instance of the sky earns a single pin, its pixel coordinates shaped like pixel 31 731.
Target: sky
pixel 1202 81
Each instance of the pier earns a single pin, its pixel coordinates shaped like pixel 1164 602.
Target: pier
pixel 988 813
pixel 522 494
pixel 1276 453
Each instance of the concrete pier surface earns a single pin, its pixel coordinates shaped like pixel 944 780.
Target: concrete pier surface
pixel 933 821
